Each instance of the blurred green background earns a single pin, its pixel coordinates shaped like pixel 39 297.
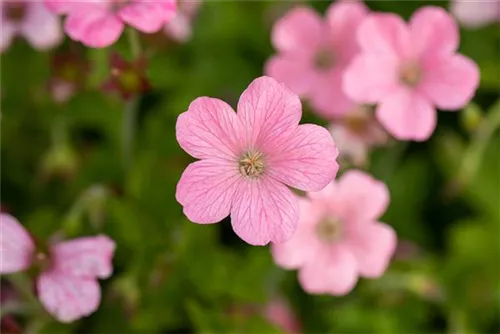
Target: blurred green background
pixel 62 173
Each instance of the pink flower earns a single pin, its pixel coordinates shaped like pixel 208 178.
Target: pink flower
pixel 179 28
pixel 475 14
pixel 339 237
pixel 248 159
pixel 356 133
pixel 32 20
pixel 279 313
pixel 411 69
pixel 67 285
pixel 313 53
pixel 99 23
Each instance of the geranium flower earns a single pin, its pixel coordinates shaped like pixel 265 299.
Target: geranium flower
pixel 248 159
pixel 339 237
pixel 410 70
pixel 475 14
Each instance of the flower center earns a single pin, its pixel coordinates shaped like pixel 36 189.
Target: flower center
pixel 324 59
pixel 252 164
pixel 15 11
pixel 329 230
pixel 410 74
pixel 41 260
pixel 357 124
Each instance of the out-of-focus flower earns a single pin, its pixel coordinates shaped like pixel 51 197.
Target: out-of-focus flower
pixel 32 20
pixel 180 27
pixel 248 159
pixel 279 313
pixel 127 78
pixel 313 54
pixel 339 237
pixel 356 133
pixel 100 23
pixel 410 69
pixel 67 285
pixel 68 73
pixel 475 14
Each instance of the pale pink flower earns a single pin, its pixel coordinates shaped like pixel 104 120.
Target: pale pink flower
pixel 180 27
pixel 339 237
pixel 248 159
pixel 356 133
pixel 31 20
pixel 411 69
pixel 313 53
pixel 99 23
pixel 476 13
pixel 279 313
pixel 67 286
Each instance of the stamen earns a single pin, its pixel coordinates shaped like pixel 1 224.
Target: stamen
pixel 410 74
pixel 329 230
pixel 252 164
pixel 324 59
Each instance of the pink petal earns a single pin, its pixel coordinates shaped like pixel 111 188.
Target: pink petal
pixel 370 77
pixel 210 129
pixel 350 147
pixel 333 271
pixel 306 161
pixel 61 6
pixel 264 210
pixel 8 32
pixel 363 197
pixel 268 111
pixel 68 298
pixel 385 35
pixel 206 190
pixel 344 19
pixel 94 27
pixel 474 14
pixel 41 28
pixel 89 257
pixel 295 72
pixel 407 115
pixel 328 97
pixel 16 245
pixel 301 247
pixel 450 82
pixel 373 245
pixel 300 31
pixel 424 24
pixel 179 28
pixel 148 16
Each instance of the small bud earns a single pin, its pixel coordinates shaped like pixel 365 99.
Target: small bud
pixel 471 117
pixel 60 161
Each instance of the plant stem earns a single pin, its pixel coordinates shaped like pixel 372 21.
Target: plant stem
pixel 129 119
pixel 134 41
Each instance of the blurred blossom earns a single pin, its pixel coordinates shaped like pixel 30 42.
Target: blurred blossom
pixel 31 20
pixel 475 14
pixel 180 27
pixel 339 237
pixel 68 73
pixel 313 53
pixel 410 70
pixel 279 313
pixel 100 23
pixel 248 159
pixel 356 133
pixel 67 285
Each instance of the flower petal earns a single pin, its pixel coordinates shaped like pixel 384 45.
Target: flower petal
pixel 306 161
pixel 210 129
pixel 206 190
pixel 295 72
pixel 407 115
pixel 333 271
pixel 450 82
pixel 328 97
pixel 475 14
pixel 264 210
pixel 268 110
pixel 299 31
pixel 41 27
pixel 68 298
pixel 16 245
pixel 373 245
pixel 148 16
pixel 89 257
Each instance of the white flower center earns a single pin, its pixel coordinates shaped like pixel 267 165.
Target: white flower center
pixel 251 165
pixel 329 230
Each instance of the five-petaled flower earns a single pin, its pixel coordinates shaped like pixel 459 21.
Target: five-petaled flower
pixel 249 158
pixel 339 237
pixel 67 285
pixel 411 69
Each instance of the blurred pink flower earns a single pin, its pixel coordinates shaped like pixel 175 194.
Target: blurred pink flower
pixel 32 20
pixel 248 159
pixel 475 14
pixel 356 133
pixel 339 237
pixel 99 23
pixel 279 313
pixel 67 285
pixel 313 53
pixel 179 28
pixel 410 70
